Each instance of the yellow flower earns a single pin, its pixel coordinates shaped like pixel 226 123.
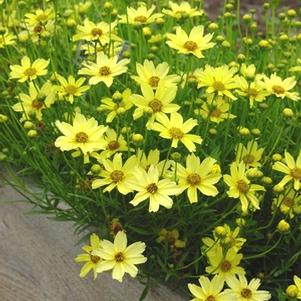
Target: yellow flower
pixel 194 43
pixel 33 104
pixel 289 202
pixel 220 80
pixel 248 71
pixel 120 257
pixel 208 290
pixel 84 134
pixel 113 143
pixel 39 17
pixel 153 75
pixel 27 70
pixel 216 109
pixel 105 69
pixel 116 174
pixel 198 176
pixel 249 155
pixel 280 88
pixel 90 31
pixel 291 168
pixel 7 39
pixel 241 290
pixel 149 186
pixel 177 130
pixel 156 103
pixel 91 261
pixel 70 87
pixel 140 16
pixel 254 91
pixel 297 282
pixel 226 266
pixel 116 106
pixel 240 186
pixel 181 10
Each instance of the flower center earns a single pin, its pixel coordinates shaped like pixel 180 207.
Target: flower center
pixel 247 159
pixel 218 86
pixel 153 81
pixel 210 298
pixel 225 266
pixel 96 32
pixel 38 29
pixel 216 113
pixel 104 71
pixel 193 179
pixel 113 145
pixel 71 89
pixel 37 104
pixel 296 173
pixel 278 89
pixel 242 186
pixel 289 202
pixel 252 92
pixel 119 257
pixel 190 45
pixel 140 19
pixel 30 72
pixel 152 188
pixel 246 293
pixel 81 137
pixel 117 176
pixel 155 105
pixel 94 258
pixel 176 133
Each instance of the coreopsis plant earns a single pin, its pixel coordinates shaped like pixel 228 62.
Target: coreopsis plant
pixel 154 123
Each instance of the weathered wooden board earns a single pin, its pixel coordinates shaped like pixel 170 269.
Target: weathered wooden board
pixel 36 262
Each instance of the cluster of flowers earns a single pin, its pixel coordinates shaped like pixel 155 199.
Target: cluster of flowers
pixel 113 147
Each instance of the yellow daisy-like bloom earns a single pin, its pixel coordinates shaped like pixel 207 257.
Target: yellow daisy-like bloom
pixel 288 202
pixel 39 17
pixel 250 155
pixel 116 107
pixel 71 87
pixel 226 266
pixel 33 104
pixel 116 174
pixel 177 130
pixel 91 31
pixel 241 290
pixel 149 186
pixel 41 31
pixel 241 188
pixel 140 16
pixel 120 257
pixel 198 176
pixel 113 143
pixel 156 103
pixel 216 109
pixel 91 261
pixel 84 134
pixel 280 88
pixel 291 168
pixel 7 39
pixel 253 91
pixel 153 75
pixel 194 43
pixel 182 10
pixel 208 290
pixel 27 70
pixel 220 80
pixel 105 69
